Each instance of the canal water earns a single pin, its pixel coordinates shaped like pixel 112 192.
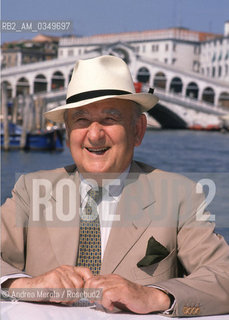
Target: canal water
pixel 196 154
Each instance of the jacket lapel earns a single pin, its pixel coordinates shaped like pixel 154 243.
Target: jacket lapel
pixel 64 233
pixel 133 207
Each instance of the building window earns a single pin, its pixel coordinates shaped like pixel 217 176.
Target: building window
pixel 219 71
pixel 166 47
pixel 155 47
pixel 196 66
pixel 196 49
pixel 220 56
pixel 174 60
pixel 70 52
pixel 213 72
pixel 174 47
pixel 143 48
pixel 213 57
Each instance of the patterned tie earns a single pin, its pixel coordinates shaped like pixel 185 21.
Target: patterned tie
pixel 89 254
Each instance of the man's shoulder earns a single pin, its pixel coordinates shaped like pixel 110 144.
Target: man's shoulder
pixel 154 173
pixel 52 175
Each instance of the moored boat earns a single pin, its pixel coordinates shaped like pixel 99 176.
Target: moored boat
pixel 40 140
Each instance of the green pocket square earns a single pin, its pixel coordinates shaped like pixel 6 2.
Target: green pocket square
pixel 155 252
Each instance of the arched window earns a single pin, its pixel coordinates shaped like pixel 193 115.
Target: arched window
pixel 176 85
pixel 22 86
pixel 57 81
pixel 8 89
pixel 40 83
pixel 208 95
pixel 159 80
pixel 224 99
pixel 143 75
pixel 192 90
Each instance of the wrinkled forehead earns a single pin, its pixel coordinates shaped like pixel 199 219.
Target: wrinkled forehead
pixel 114 107
pixel 84 112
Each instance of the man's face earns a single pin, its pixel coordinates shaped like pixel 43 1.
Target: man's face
pixel 102 135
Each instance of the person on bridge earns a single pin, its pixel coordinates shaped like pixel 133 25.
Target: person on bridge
pixel 107 221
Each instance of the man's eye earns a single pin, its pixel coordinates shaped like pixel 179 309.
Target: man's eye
pixel 82 119
pixel 80 122
pixel 110 120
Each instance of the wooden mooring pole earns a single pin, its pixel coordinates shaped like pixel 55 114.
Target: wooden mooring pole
pixel 25 116
pixel 5 116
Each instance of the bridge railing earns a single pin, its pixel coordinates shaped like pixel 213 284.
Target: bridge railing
pixel 190 102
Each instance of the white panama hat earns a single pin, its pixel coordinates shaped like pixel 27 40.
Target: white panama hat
pixel 98 79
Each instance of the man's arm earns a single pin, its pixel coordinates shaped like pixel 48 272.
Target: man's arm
pixel 129 296
pixel 14 220
pixel 204 256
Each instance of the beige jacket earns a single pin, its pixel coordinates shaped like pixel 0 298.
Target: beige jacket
pixel 166 206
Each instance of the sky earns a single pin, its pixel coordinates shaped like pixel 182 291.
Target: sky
pixel 90 17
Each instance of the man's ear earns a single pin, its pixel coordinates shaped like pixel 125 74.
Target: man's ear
pixel 140 128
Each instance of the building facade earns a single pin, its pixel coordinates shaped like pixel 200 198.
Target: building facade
pixel 200 52
pixel 40 48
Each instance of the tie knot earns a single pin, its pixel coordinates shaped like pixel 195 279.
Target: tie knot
pixel 95 194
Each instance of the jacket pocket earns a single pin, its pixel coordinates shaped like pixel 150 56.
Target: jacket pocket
pixel 167 267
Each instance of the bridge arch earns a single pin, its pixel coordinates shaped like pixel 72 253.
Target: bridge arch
pixel 176 85
pixel 57 81
pixel 121 53
pixel 40 84
pixel 160 80
pixel 208 95
pixel 192 90
pixel 22 86
pixel 224 99
pixel 143 75
pixel 167 118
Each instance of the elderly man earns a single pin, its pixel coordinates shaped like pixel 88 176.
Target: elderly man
pixel 136 232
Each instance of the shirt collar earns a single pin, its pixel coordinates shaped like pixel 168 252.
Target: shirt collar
pixel 113 187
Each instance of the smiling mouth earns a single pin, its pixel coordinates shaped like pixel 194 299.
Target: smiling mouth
pixel 98 151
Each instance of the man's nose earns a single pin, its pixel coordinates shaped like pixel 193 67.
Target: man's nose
pixel 96 133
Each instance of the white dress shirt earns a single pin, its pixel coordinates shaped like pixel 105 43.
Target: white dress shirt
pixel 111 193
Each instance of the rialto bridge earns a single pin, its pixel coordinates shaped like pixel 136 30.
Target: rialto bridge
pixel 186 98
